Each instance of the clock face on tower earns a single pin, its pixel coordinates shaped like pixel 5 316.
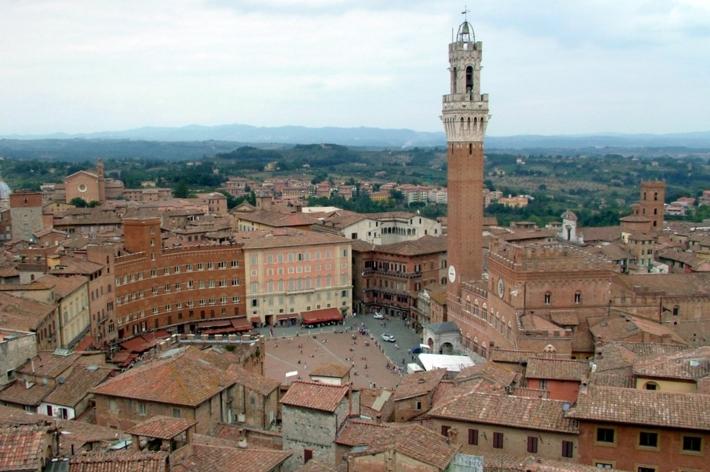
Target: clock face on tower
pixel 452 274
pixel 501 288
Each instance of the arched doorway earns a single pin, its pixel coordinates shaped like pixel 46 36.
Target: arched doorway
pixel 446 348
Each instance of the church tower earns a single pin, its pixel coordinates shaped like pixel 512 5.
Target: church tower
pixel 465 116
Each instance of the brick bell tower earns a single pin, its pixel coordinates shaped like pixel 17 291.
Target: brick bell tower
pixel 465 116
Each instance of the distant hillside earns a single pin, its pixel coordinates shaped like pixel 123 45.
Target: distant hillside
pixel 362 137
pixel 379 137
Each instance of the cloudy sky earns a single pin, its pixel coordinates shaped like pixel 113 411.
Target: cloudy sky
pixel 550 66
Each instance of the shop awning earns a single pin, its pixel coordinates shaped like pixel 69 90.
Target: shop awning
pixel 321 316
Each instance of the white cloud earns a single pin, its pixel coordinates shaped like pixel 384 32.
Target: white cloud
pixel 550 67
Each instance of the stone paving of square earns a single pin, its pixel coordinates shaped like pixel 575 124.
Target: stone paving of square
pixel 373 360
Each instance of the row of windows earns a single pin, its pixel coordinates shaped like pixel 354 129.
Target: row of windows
pixel 297 284
pixel 498 441
pixel 181 305
pixel 577 297
pixel 297 269
pixel 177 270
pixel 177 287
pixel 297 256
pixel 650 439
pixel 494 320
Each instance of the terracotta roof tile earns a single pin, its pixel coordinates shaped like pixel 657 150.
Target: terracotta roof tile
pixel 286 238
pixel 315 395
pixel 334 369
pixel 22 448
pixel 619 328
pixel 78 385
pixel 162 427
pixel 490 371
pixel 411 440
pixel 81 432
pixel 22 313
pixel 357 432
pixel 17 393
pixel 185 379
pixel 420 383
pixel 48 364
pixel 556 369
pixel 493 408
pixel 423 245
pixel 278 218
pixel 229 459
pixel 253 381
pixel 644 407
pixel 133 461
pixel 692 364
pixel 497 462
pixel 315 466
pixel 64 286
pixel 668 284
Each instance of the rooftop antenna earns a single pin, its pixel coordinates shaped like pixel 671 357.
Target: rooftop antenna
pixel 465 13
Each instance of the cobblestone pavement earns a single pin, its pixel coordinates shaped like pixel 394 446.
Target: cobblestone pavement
pixel 300 349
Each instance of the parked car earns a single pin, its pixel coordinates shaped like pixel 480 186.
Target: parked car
pixel 388 337
pixel 379 316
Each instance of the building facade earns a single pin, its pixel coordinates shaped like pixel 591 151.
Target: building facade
pixel 176 288
pixel 291 272
pixel 25 214
pixel 390 277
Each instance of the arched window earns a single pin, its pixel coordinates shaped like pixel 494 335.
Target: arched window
pixel 577 297
pixel 454 71
pixel 469 79
pixel 548 298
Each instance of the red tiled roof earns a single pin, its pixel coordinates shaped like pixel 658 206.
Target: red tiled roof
pixel 644 407
pixel 315 395
pixel 333 369
pixel 411 440
pixel 490 371
pixel 22 313
pixel 22 448
pixel 521 412
pixel 162 427
pixel 692 364
pixel 78 385
pixel 230 459
pixel 359 432
pixel 133 461
pixel 556 369
pixel 17 393
pixel 315 466
pixel 185 379
pixel 321 316
pixel 420 383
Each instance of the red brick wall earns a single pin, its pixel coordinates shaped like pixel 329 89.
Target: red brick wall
pixel 465 211
pixel 627 455
pixel 558 389
pixel 164 263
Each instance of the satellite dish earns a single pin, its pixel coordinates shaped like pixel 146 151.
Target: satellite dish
pixel 566 406
pixel 61 380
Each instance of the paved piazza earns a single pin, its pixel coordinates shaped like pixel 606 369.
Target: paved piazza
pixel 301 349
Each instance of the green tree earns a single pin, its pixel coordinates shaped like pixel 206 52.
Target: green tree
pixel 93 204
pixel 78 202
pixel 232 201
pixel 397 196
pixel 181 190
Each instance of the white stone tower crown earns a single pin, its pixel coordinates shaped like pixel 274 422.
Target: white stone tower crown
pixel 465 109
